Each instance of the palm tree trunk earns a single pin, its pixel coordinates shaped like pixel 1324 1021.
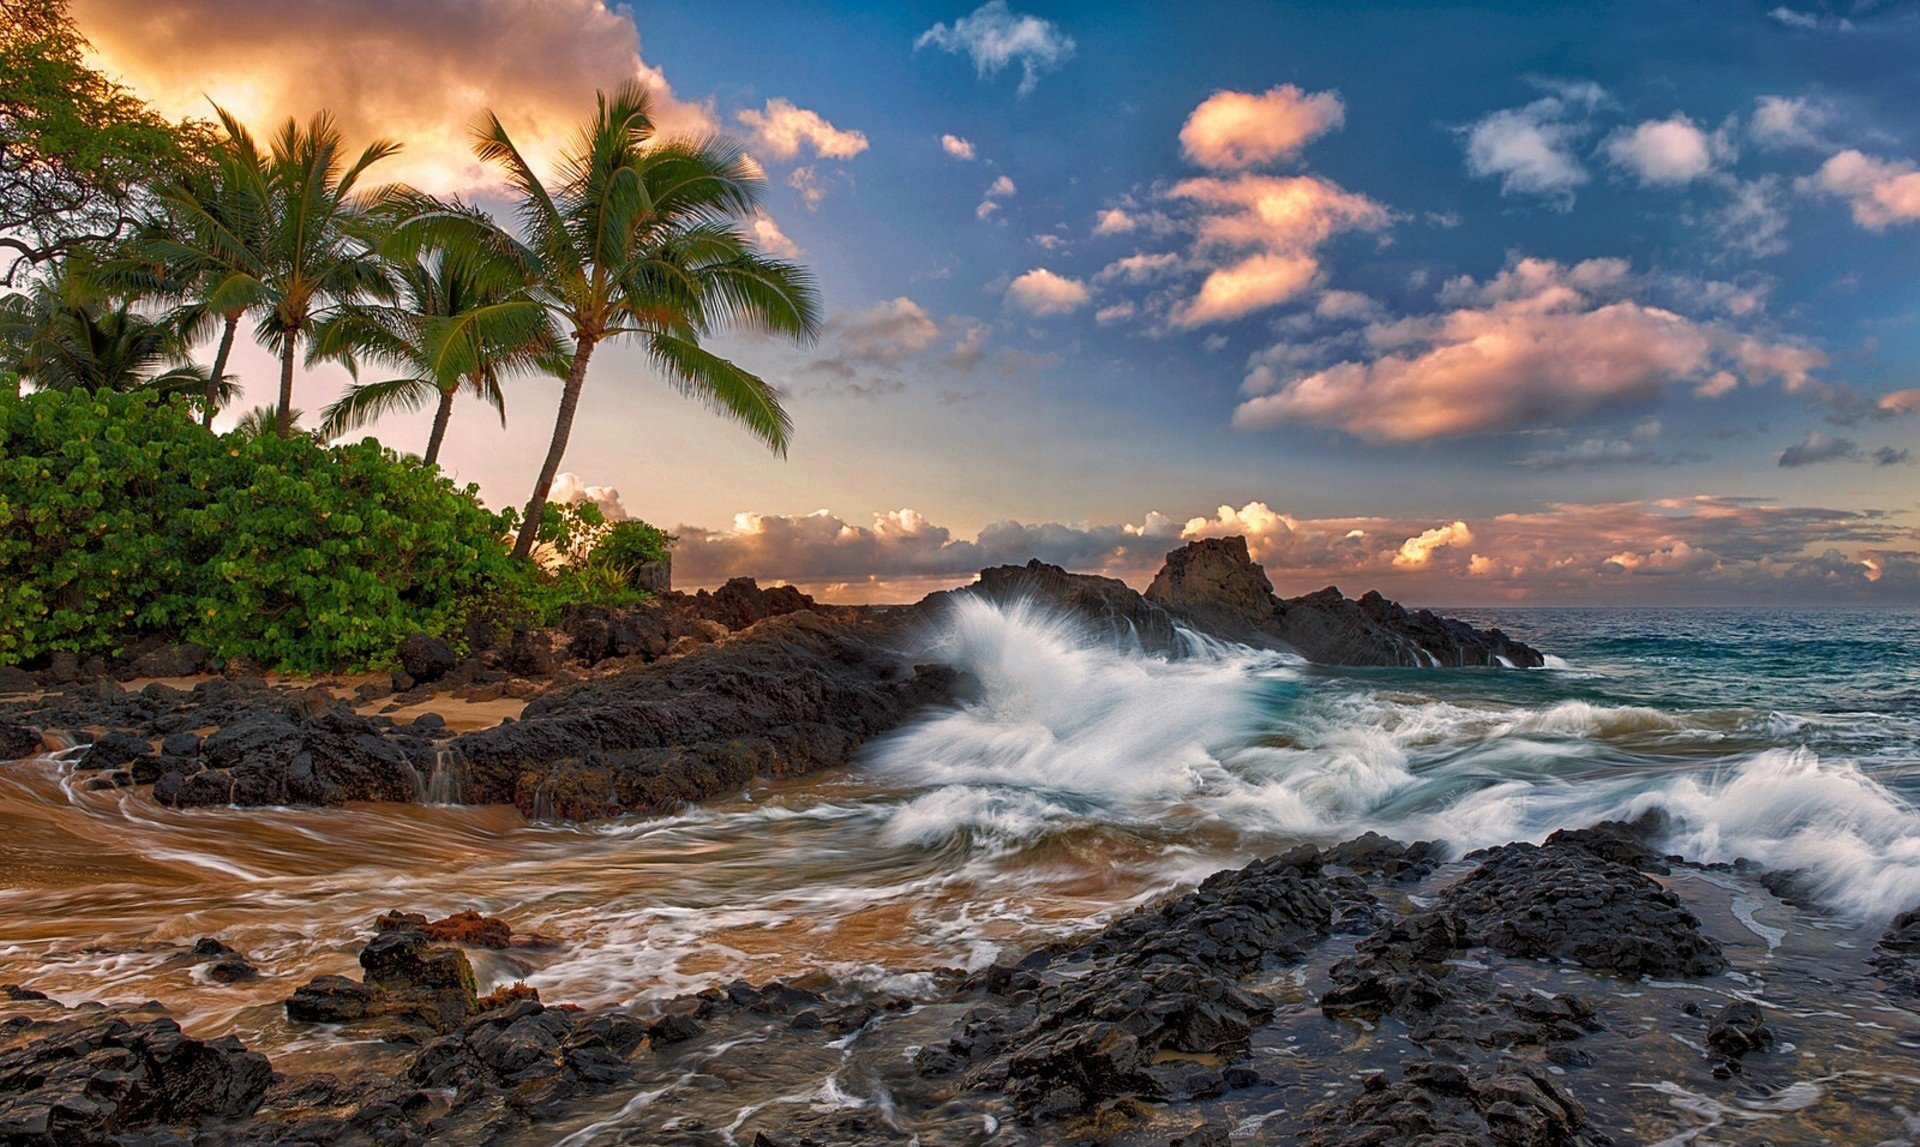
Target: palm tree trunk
pixel 440 417
pixel 219 370
pixel 283 418
pixel 562 427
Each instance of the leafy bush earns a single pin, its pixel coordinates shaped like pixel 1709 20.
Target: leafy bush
pixel 120 516
pixel 631 543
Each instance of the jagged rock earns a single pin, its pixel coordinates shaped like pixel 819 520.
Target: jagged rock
pixel 1737 1029
pixel 1564 902
pixel 741 603
pixel 424 658
pixel 1897 956
pixel 93 1080
pixel 1214 585
pixel 333 757
pixel 14 679
pixel 182 659
pixel 407 976
pixel 1107 606
pixel 112 750
pixel 18 741
pixel 1452 1105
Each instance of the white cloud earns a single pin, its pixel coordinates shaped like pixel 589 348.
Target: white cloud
pixel 956 147
pixel 1041 292
pixel 785 131
pixel 1238 130
pixel 1001 188
pixel 772 240
pixel 1539 343
pixel 1117 312
pixel 1530 149
pixel 1780 122
pixel 1881 192
pixel 570 489
pixel 1114 221
pixel 994 36
pixel 1417 552
pixel 1138 268
pixel 1664 153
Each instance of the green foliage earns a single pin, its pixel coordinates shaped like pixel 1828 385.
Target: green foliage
pixel 78 152
pixel 629 544
pixel 119 515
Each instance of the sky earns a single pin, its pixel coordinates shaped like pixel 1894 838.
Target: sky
pixel 1530 303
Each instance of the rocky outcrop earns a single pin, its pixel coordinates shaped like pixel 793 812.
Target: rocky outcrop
pixel 408 977
pixel 1107 606
pixel 1438 1104
pixel 305 756
pixel 18 741
pixel 1897 956
pixel 1216 587
pixel 790 694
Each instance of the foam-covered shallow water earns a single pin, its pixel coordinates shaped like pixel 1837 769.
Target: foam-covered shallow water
pixel 1081 780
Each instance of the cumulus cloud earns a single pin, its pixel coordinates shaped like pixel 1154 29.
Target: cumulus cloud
pixel 876 350
pixel 785 131
pixel 1001 188
pixel 1782 122
pixel 1114 221
pixel 1541 342
pixel 570 489
pixel 1042 292
pixel 1260 235
pixel 956 147
pixel 1236 130
pixel 994 36
pixel 772 240
pixel 417 72
pixel 1700 547
pixel 1899 402
pixel 1662 153
pixel 1818 447
pixel 1880 192
pixel 1530 149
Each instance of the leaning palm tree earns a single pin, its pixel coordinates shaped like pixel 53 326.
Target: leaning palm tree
pixel 206 245
pixel 319 238
pixel 463 321
pixel 639 238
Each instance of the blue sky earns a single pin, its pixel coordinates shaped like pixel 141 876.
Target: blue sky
pixel 1557 289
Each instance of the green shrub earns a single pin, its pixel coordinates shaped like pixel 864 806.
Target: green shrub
pixel 631 543
pixel 120 516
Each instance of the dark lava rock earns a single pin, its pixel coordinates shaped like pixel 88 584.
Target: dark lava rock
pixel 1564 902
pixel 407 976
pixel 161 659
pixel 1371 854
pixel 1897 956
pixel 18 741
pixel 1214 585
pixel 1452 1105
pixel 741 603
pixel 1164 980
pixel 425 658
pixel 100 1080
pixel 265 758
pixel 535 1057
pixel 1109 607
pixel 789 695
pixel 14 679
pixel 1737 1029
pixel 112 750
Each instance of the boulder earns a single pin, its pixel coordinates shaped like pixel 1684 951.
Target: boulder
pixel 18 741
pixel 424 658
pixel 14 680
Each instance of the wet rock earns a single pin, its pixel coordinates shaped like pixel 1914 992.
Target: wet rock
pixel 789 695
pixel 424 658
pixel 89 1080
pixel 471 928
pixel 531 1057
pixel 407 976
pixel 1107 606
pixel 1563 902
pixel 1214 585
pixel 1897 956
pixel 1437 1104
pixel 1371 854
pixel 18 741
pixel 331 758
pixel 1737 1029
pixel 185 746
pixel 112 750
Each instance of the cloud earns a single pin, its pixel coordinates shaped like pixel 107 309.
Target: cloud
pixel 1142 268
pixel 1001 188
pixel 785 131
pixel 1041 292
pixel 1540 343
pixel 994 36
pixel 1881 192
pixel 1818 447
pixel 956 147
pixel 1260 235
pixel 1114 221
pixel 1809 21
pixel 1599 451
pixel 417 72
pixel 1753 221
pixel 1114 313
pixel 1889 456
pixel 1899 402
pixel 1530 149
pixel 1699 548
pixel 772 240
pixel 886 331
pixel 570 489
pixel 1781 122
pixel 1237 130
pixel 1662 153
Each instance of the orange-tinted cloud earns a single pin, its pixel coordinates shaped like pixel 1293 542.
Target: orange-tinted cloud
pixel 1881 192
pixel 417 71
pixel 1236 130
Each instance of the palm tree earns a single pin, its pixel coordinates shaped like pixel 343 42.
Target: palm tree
pixel 207 244
pixel 67 334
pixel 640 238
pixel 463 322
pixel 319 238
